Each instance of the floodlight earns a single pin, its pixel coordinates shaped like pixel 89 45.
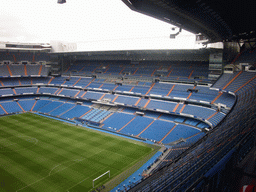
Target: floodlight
pixel 172 36
pixel 61 1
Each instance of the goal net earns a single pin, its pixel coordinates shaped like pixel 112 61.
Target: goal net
pixel 93 181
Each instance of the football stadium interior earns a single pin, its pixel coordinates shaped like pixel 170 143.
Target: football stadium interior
pixel 134 120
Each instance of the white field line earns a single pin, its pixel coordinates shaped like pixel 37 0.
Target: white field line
pixel 44 177
pixel 32 183
pixel 29 138
pixel 64 163
pixel 85 179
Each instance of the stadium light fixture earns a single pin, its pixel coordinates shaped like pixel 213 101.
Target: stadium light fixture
pixel 172 36
pixel 61 1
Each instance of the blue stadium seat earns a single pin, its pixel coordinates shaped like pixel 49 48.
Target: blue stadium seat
pixel 117 120
pixel 11 107
pixel 77 111
pixel 7 91
pixel 180 131
pixel 157 130
pixel 27 104
pixel 26 90
pixel 61 109
pixel 41 103
pixel 52 106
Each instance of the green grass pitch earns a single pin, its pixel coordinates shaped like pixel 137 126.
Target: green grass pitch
pixel 42 154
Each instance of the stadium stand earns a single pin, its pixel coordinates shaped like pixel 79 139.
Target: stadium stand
pixel 24 70
pixel 93 95
pixel 27 90
pixel 136 126
pixel 10 81
pixel 4 70
pixel 17 70
pixel 61 109
pixel 77 111
pixel 11 107
pixel 32 69
pixel 27 104
pixel 68 92
pixel 50 107
pixel 176 112
pixel 40 103
pixel 247 56
pixel 164 105
pixel 198 111
pixel 48 90
pixel 183 71
pixel 207 151
pixel 7 91
pixel 239 81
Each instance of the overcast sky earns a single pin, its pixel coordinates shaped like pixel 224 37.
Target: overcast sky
pixel 92 24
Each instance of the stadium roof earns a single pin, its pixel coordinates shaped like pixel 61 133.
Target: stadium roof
pixel 218 20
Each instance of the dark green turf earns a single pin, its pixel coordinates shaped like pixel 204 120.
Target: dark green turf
pixel 43 154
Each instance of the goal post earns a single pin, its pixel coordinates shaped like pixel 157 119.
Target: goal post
pixel 108 172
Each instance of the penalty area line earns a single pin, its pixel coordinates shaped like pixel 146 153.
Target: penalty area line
pixel 84 180
pixel 31 184
pixel 74 162
pixel 79 160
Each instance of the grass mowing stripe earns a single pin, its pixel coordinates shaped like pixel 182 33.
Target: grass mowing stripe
pixel 92 176
pixel 34 155
pixel 4 127
pixel 8 181
pixel 47 149
pixel 21 172
pixel 58 134
pixel 51 139
pixel 30 164
pixel 63 179
pixel 60 144
pixel 92 143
